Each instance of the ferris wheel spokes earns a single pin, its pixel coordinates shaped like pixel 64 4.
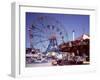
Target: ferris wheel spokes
pixel 46 33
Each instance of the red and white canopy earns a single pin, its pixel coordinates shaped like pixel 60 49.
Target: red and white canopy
pixel 83 37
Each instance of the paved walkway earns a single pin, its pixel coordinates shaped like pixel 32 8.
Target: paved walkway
pixel 38 65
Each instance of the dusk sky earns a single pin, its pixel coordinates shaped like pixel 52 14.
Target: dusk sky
pixel 64 23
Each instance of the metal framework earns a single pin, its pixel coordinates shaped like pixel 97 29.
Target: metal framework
pixel 46 33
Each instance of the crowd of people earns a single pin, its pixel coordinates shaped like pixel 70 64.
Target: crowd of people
pixel 62 58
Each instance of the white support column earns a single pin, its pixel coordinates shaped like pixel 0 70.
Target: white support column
pixel 73 35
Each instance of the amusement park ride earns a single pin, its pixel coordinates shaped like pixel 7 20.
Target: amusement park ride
pixel 45 35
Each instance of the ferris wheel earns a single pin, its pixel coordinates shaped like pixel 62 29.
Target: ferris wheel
pixel 46 34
